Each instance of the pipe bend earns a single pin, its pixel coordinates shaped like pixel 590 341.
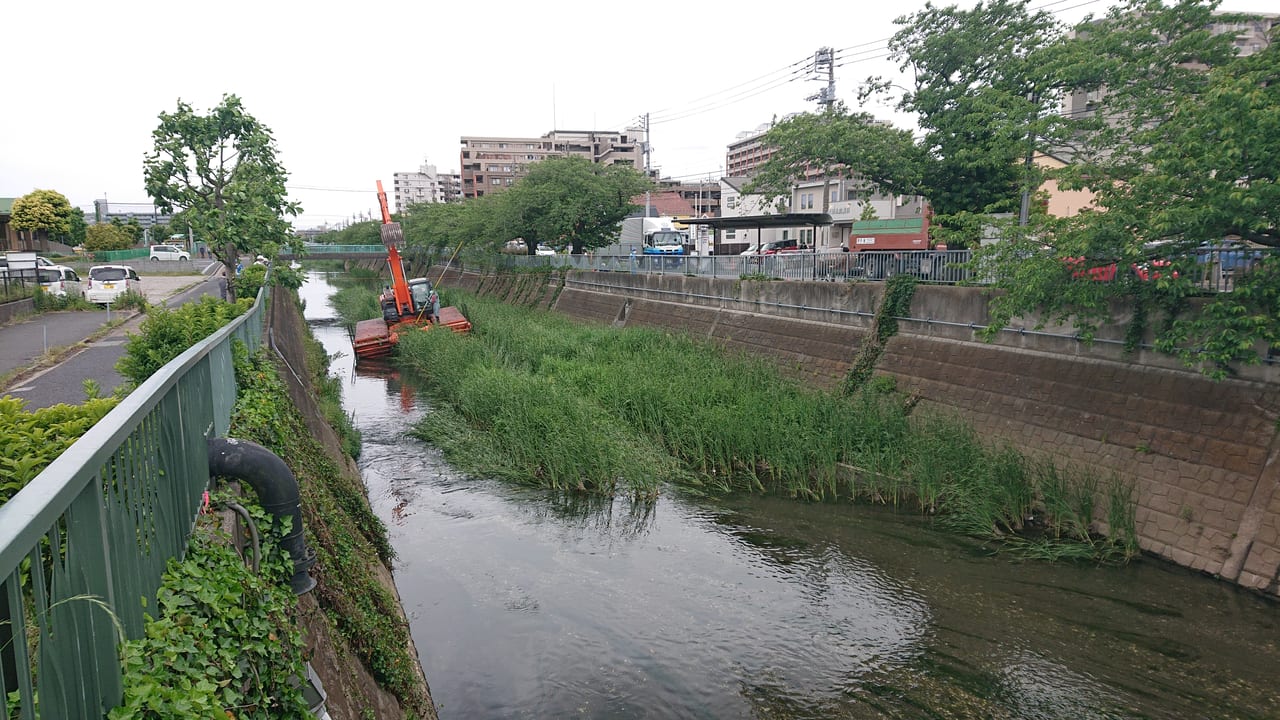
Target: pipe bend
pixel 277 490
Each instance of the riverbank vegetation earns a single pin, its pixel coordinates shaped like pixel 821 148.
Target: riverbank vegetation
pixel 353 554
pixel 534 397
pixel 224 636
pixel 349 539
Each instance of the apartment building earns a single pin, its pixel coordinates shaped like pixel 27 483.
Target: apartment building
pixel 703 196
pixel 425 186
pixel 490 164
pixel 1251 36
pixel 747 153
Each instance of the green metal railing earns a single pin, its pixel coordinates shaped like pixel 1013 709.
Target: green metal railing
pixel 321 249
pixel 86 542
pixel 106 256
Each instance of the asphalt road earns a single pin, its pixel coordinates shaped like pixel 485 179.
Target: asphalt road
pixel 22 345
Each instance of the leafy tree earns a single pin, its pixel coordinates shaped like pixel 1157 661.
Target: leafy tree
pixel 443 227
pixel 839 144
pixel 130 226
pixel 983 96
pixel 76 235
pixel 1184 148
pixel 44 211
pixel 221 171
pixel 106 236
pixel 568 201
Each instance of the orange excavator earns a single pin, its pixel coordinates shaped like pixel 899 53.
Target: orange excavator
pixel 406 304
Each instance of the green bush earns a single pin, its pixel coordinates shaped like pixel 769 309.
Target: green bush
pixel 224 644
pixel 249 281
pixel 131 299
pixel 166 334
pixel 29 441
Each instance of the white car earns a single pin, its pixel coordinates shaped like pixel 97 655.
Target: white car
pixel 544 250
pixel 108 282
pixel 168 252
pixel 60 281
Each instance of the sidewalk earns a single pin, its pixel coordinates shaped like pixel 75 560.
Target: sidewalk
pixel 28 373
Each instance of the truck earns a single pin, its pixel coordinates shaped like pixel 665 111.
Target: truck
pixel 407 304
pixel 652 236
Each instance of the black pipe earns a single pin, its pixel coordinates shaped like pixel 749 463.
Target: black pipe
pixel 277 490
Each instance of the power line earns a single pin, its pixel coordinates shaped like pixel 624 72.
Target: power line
pixel 731 100
pixel 785 69
pixel 324 189
pixel 871 46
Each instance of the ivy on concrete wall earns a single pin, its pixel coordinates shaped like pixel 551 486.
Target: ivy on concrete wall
pixel 896 303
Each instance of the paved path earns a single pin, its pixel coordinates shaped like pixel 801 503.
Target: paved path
pixel 22 344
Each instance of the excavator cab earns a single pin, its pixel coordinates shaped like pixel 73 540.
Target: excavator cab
pixel 420 290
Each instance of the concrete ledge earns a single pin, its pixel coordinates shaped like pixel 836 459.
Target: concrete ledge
pixel 17 308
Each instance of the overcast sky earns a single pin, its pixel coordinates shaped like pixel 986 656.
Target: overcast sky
pixel 356 91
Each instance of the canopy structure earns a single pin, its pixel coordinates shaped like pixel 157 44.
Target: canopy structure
pixel 759 222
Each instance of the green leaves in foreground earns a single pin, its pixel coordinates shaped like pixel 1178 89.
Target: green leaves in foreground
pixel 30 440
pixel 224 644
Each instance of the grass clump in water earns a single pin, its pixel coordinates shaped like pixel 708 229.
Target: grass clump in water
pixel 573 406
pixel 355 303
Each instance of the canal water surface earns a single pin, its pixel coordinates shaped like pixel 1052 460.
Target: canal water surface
pixel 525 604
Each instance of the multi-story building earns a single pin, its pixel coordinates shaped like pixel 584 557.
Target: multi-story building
pixel 490 164
pixel 861 220
pixel 703 196
pixel 1251 36
pixel 746 153
pixel 425 186
pixel 146 214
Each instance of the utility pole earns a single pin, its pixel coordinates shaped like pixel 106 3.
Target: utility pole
pixel 824 59
pixel 647 148
pixel 1024 213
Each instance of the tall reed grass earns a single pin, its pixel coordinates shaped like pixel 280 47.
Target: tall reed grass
pixel 354 303
pixel 539 398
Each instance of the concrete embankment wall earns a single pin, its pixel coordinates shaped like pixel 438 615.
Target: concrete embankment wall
pixel 1200 454
pixel 352 690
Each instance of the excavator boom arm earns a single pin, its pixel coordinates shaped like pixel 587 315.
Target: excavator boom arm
pixel 382 202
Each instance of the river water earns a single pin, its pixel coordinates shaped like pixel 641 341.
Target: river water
pixel 526 604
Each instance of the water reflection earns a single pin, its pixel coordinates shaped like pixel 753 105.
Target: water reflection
pixel 526 603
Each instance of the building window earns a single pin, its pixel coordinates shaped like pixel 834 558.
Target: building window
pixel 496 181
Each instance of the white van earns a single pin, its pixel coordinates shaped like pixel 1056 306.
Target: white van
pixel 108 282
pixel 60 281
pixel 168 252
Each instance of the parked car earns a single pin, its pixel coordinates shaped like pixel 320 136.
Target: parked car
pixel 41 262
pixel 1081 269
pixel 1232 256
pixel 771 248
pixel 60 281
pixel 168 252
pixel 882 264
pixel 108 282
pixel 544 250
pixel 837 262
